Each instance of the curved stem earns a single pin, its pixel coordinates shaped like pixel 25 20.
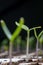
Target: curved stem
pixel 35 34
pixel 37 49
pixel 35 28
pixel 36 43
pixel 40 34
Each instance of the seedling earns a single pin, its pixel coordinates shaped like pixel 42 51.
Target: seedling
pixel 10 36
pixel 38 39
pixel 28 34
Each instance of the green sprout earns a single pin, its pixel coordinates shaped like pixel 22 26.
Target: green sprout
pixel 37 37
pixel 5 29
pixel 28 34
pixel 10 36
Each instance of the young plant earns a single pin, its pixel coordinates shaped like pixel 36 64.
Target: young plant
pixel 10 36
pixel 28 34
pixel 37 37
pixel 27 29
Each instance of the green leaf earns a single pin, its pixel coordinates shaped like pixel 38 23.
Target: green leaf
pixel 18 30
pixel 5 29
pixel 23 26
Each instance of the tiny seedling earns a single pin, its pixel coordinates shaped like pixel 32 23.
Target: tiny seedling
pixel 38 40
pixel 10 36
pixel 28 34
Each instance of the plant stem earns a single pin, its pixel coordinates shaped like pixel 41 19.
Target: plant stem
pixel 27 48
pixel 36 43
pixel 10 53
pixel 37 49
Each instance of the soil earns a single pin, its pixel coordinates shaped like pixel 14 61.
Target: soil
pixel 18 63
pixel 28 64
pixel 24 61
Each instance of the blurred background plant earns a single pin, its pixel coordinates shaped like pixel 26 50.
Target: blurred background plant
pixel 5 45
pixel 20 44
pixel 41 39
pixel 41 44
pixel 32 42
pixel 17 43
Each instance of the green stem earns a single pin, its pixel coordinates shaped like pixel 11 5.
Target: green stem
pixel 27 48
pixel 37 49
pixel 35 28
pixel 35 34
pixel 10 53
pixel 36 43
pixel 27 29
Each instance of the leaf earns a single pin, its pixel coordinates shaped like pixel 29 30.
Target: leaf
pixel 18 30
pixel 23 26
pixel 5 29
